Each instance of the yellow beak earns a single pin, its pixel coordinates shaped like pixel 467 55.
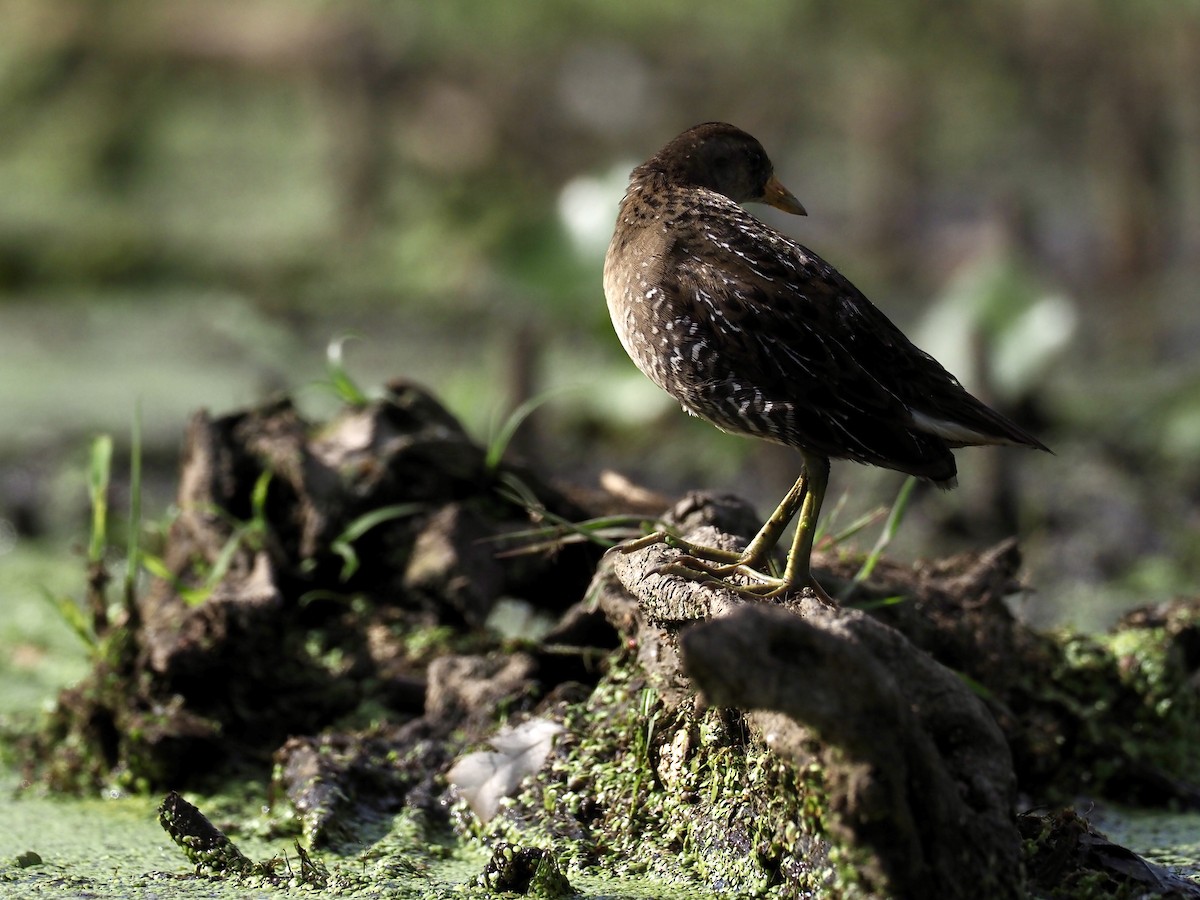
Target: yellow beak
pixel 776 195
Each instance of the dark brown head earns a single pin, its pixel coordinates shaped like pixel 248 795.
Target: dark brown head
pixel 724 159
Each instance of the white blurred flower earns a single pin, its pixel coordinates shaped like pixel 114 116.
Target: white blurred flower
pixel 587 207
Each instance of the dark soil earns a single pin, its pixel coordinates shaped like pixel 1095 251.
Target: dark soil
pixel 322 617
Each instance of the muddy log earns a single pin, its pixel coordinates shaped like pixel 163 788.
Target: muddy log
pixel 916 768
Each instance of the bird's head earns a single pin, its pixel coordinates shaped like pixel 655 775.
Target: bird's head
pixel 727 160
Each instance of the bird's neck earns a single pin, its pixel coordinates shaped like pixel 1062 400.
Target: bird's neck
pixel 647 198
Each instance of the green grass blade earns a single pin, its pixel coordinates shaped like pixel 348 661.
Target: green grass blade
pixel 890 529
pixel 517 491
pixel 508 428
pixel 191 596
pixel 157 567
pixel 241 536
pixel 367 521
pixel 343 544
pixel 346 388
pixel 829 520
pixel 883 603
pixel 866 520
pixel 73 615
pixel 258 499
pixel 99 476
pixel 133 539
pixel 630 524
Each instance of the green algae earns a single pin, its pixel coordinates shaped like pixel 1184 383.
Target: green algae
pixel 1132 694
pixel 635 788
pixel 113 847
pixel 524 870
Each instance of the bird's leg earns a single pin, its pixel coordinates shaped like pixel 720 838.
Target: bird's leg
pixel 798 570
pixel 759 549
pixel 809 494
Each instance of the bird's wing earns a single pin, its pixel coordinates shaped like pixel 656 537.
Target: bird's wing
pixel 823 362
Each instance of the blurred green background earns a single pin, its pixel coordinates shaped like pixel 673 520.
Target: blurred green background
pixel 199 196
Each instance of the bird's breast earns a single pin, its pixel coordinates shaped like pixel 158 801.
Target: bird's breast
pixel 643 313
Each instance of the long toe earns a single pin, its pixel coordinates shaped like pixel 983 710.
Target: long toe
pixel 756 585
pixel 714 556
pixel 716 569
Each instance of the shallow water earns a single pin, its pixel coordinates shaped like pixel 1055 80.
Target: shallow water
pixel 114 848
pixel 1166 838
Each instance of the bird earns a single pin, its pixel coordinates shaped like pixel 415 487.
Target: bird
pixel 758 335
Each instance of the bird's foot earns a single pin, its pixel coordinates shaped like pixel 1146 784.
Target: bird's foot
pixel 760 586
pixel 703 563
pixel 712 564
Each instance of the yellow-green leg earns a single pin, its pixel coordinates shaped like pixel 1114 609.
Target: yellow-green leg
pixel 798 571
pixel 714 564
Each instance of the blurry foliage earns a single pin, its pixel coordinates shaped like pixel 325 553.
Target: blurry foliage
pixel 418 172
pixel 416 149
